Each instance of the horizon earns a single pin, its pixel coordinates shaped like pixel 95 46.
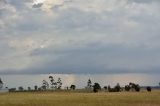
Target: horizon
pixel 80 80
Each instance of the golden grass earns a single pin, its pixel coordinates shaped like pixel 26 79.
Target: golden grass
pixel 81 99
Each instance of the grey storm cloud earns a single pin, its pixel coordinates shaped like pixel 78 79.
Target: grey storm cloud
pixel 37 5
pixel 2 2
pixel 79 36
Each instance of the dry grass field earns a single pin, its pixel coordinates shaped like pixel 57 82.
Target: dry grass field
pixel 142 98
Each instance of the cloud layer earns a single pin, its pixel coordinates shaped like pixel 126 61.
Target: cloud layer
pixel 79 36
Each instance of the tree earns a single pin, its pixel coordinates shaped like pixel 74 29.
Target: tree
pixel 59 83
pixel 53 83
pixel 1 83
pixel 20 88
pixel 45 85
pixel 96 87
pixel 149 89
pixel 35 87
pixel 105 88
pixel 73 87
pixel 29 88
pixel 109 88
pixel 117 88
pixel 134 86
pixel 89 83
pixel 127 87
pixel 137 88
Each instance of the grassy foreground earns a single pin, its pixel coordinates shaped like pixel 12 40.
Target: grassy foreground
pixel 81 99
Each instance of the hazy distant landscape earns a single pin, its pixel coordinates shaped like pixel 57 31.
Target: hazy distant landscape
pixel 93 94
pixel 72 89
pixel 80 80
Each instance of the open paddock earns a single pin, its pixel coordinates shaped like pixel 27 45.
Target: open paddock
pixel 142 98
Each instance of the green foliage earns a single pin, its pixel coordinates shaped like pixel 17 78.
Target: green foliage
pixel 55 85
pixel 45 85
pixel 134 86
pixel 127 87
pixel 96 87
pixel 52 82
pixel 149 89
pixel 117 88
pixel 29 88
pixel 73 87
pixel 20 88
pixel 89 83
pixel 137 88
pixel 59 83
pixel 105 87
pixel 36 87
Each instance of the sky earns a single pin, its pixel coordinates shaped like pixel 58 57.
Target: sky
pixel 79 36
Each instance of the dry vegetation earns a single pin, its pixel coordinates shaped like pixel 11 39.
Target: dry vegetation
pixel 142 98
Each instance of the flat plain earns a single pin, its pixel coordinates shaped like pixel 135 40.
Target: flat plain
pixel 142 98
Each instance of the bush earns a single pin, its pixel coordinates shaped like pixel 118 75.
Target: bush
pixel 73 87
pixel 149 89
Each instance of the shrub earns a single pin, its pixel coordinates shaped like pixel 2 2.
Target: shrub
pixel 73 87
pixel 149 89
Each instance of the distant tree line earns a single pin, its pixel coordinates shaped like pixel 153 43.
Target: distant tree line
pixel 54 84
pixel 117 88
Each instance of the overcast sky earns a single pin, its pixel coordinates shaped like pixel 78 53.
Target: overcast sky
pixel 79 36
